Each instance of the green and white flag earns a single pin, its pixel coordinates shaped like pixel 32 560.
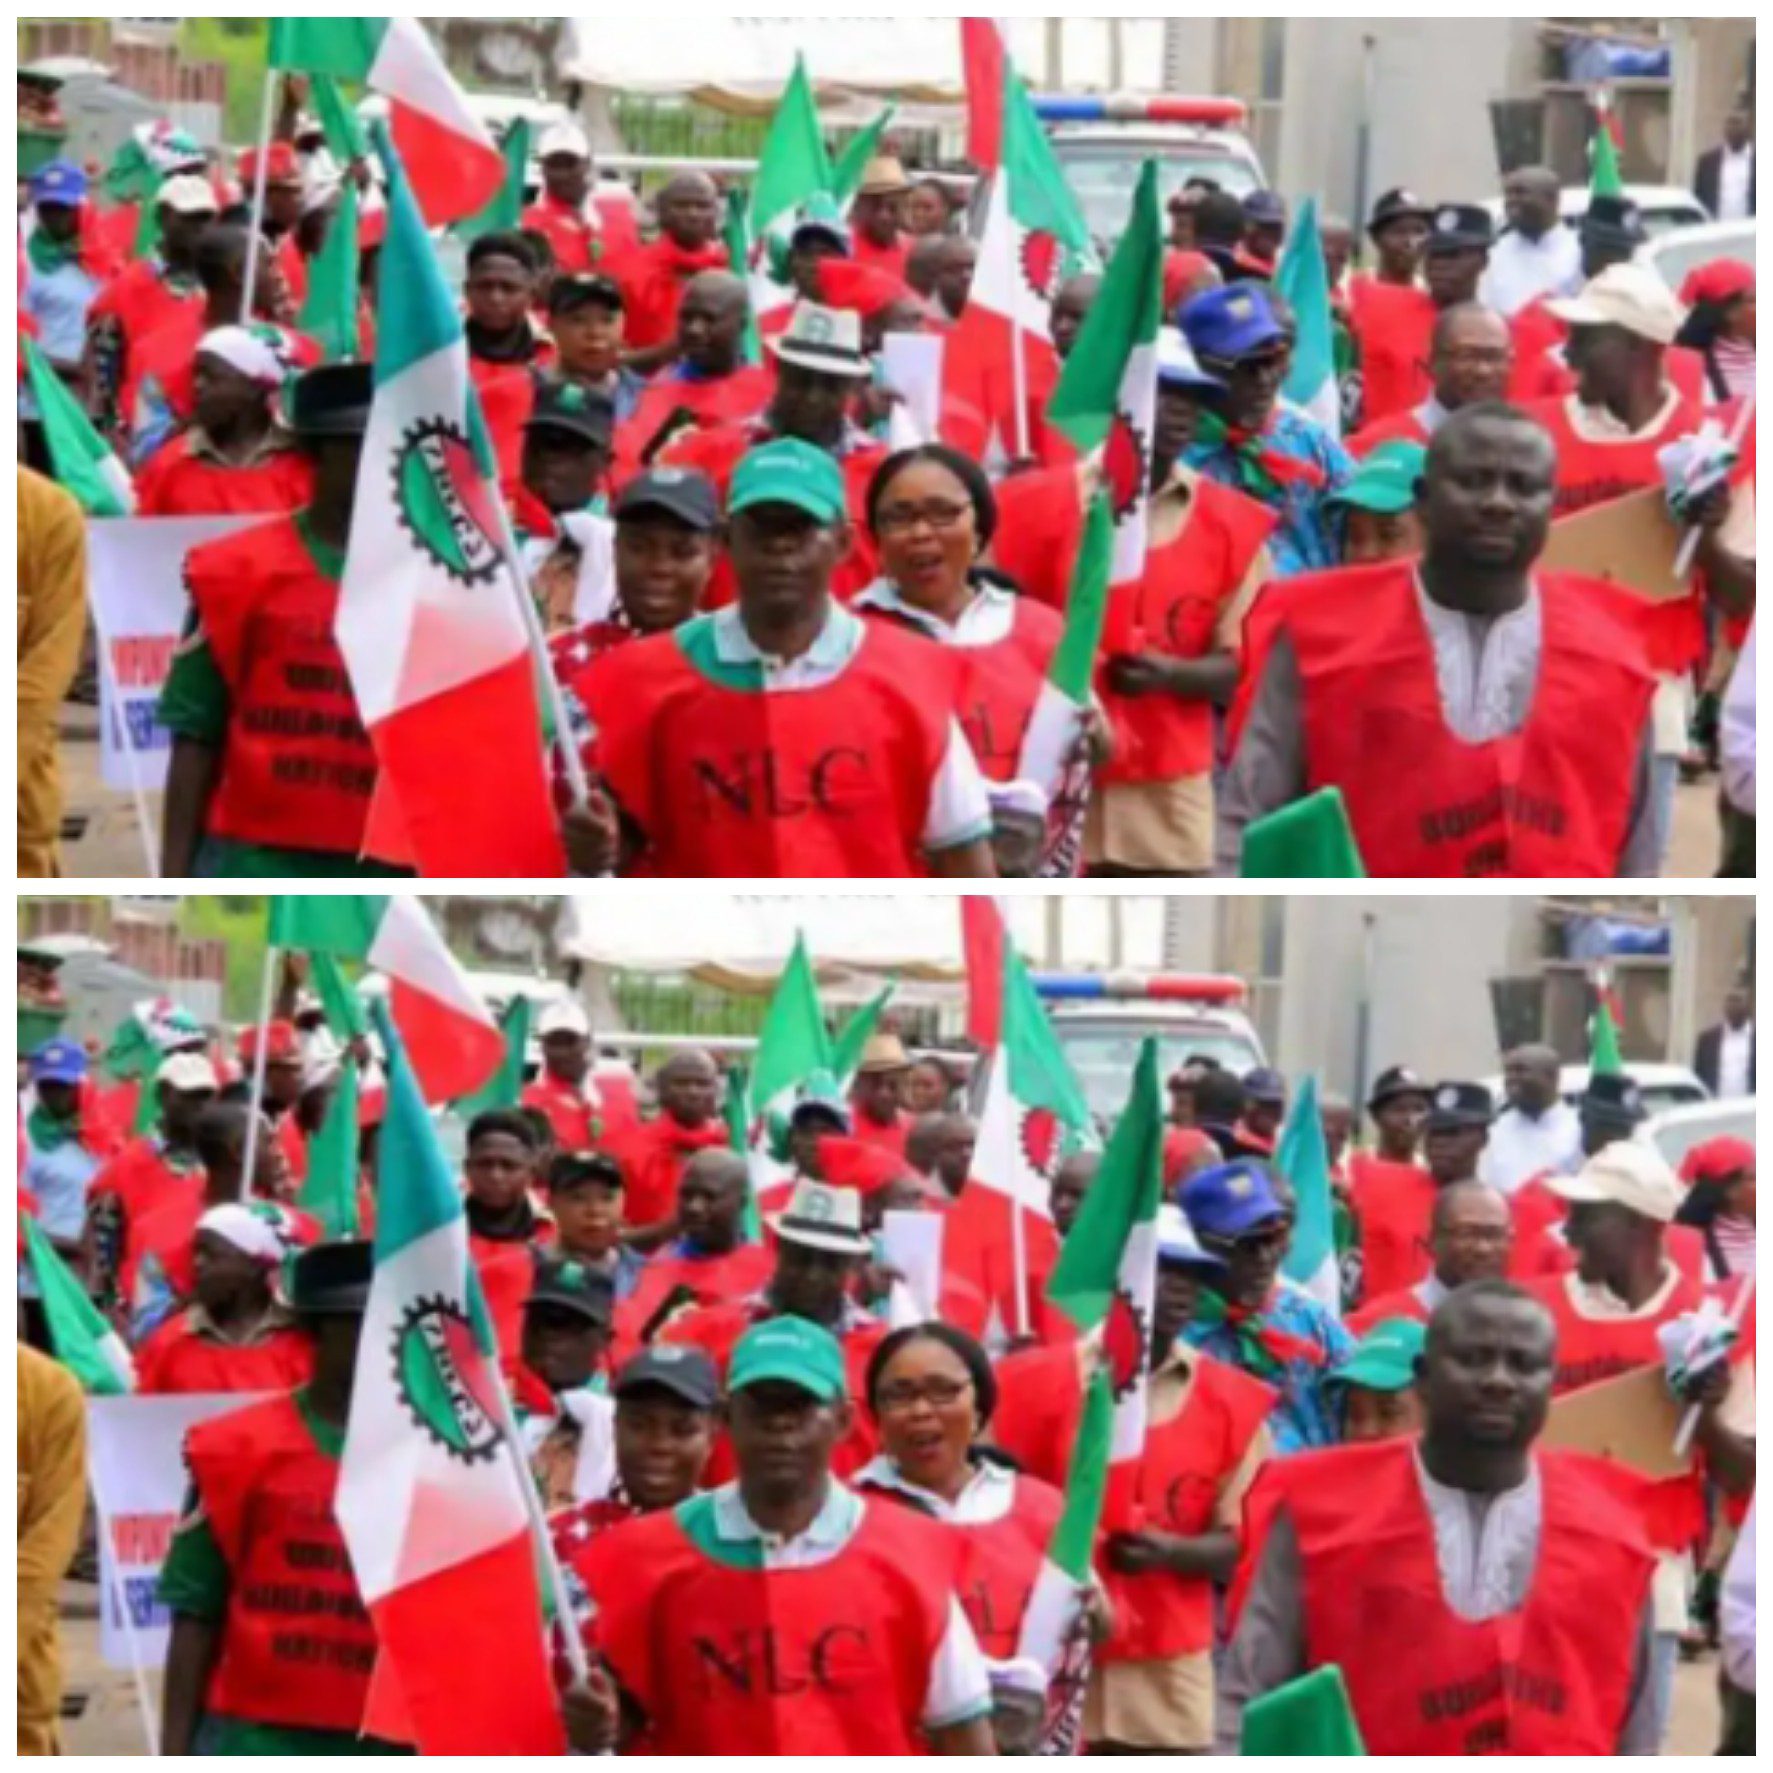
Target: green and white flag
pixel 1303 1159
pixel 330 314
pixel 793 168
pixel 329 1193
pixel 1304 280
pixel 862 147
pixel 854 1035
pixel 794 1057
pixel 1604 176
pixel 83 1340
pixel 84 463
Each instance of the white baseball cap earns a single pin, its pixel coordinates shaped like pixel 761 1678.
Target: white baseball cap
pixel 563 138
pixel 186 1072
pixel 566 1015
pixel 1632 1175
pixel 189 194
pixel 1629 295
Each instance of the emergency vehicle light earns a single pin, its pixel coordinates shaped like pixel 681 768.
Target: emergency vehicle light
pixel 1126 107
pixel 1219 988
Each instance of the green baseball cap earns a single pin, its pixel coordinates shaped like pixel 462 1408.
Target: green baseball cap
pixel 790 471
pixel 1385 480
pixel 794 1351
pixel 1385 1358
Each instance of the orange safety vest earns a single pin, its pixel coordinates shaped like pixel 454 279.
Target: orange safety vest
pixel 297 766
pixel 726 779
pixel 830 1659
pixel 1551 800
pixel 297 1646
pixel 1552 1677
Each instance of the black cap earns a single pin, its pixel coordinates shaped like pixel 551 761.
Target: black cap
pixel 332 1278
pixel 1613 221
pixel 574 1287
pixel 576 410
pixel 332 400
pixel 1395 1081
pixel 1612 1096
pixel 573 290
pixel 682 493
pixel 1396 206
pixel 1452 1106
pixel 1459 227
pixel 687 1373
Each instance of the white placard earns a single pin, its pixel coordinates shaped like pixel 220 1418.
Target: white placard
pixel 912 1243
pixel 911 364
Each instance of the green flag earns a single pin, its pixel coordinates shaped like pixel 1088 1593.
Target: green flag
pixel 338 122
pixel 330 314
pixel 738 1133
pixel 1308 840
pixel 846 1050
pixel 1304 280
pixel 792 1045
pixel 1309 1716
pixel 341 923
pixel 84 463
pixel 505 211
pixel 862 147
pixel 735 236
pixel 1303 1158
pixel 83 1341
pixel 338 998
pixel 1603 1047
pixel 504 1089
pixel 343 47
pixel 794 163
pixel 330 1192
pixel 1605 178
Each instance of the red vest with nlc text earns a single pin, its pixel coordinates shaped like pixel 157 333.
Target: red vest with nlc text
pixel 297 766
pixel 1552 1677
pixel 1553 799
pixel 297 1646
pixel 831 1659
pixel 726 779
pixel 999 683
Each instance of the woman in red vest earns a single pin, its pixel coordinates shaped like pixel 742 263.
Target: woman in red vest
pixel 271 1648
pixel 1454 1644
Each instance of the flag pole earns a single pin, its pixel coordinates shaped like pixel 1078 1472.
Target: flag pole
pixel 1690 544
pixel 255 1104
pixel 255 230
pixel 1018 1229
pixel 120 1600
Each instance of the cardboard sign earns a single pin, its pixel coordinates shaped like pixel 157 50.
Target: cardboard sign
pixel 1630 542
pixel 1633 1419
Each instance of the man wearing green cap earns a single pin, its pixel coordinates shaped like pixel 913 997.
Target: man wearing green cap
pixel 1378 505
pixel 1376 1385
pixel 783 1613
pixel 783 736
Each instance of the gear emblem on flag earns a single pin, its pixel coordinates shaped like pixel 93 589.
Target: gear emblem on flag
pixel 1125 1336
pixel 444 1380
pixel 1042 1139
pixel 1041 258
pixel 1126 465
pixel 445 502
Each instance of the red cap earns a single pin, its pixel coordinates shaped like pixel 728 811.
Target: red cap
pixel 281 168
pixel 862 289
pixel 1718 282
pixel 282 1043
pixel 855 1163
pixel 1716 1159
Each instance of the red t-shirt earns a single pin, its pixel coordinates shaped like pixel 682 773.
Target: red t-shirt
pixel 653 279
pixel 176 483
pixel 594 1119
pixel 1393 325
pixel 140 300
pixel 652 1160
pixel 598 242
pixel 709 401
pixel 175 1358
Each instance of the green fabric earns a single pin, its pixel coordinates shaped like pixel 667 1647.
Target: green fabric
pixel 504 1089
pixel 1385 479
pixel 338 1000
pixel 84 463
pixel 330 1191
pixel 47 1133
pixel 49 255
pixel 194 702
pixel 1309 1716
pixel 220 1735
pixel 736 237
pixel 862 147
pixel 194 1579
pixel 853 1037
pixel 793 163
pixel 697 1518
pixel 327 560
pixel 505 211
pixel 790 471
pixel 343 47
pixel 338 122
pixel 225 858
pixel 1309 840
pixel 330 313
pixel 1385 1358
pixel 346 924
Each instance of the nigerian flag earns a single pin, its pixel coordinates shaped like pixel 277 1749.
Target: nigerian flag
pixel 1304 1160
pixel 83 1340
pixel 1604 1058
pixel 1304 280
pixel 1605 179
pixel 794 1056
pixel 329 1192
pixel 330 315
pixel 793 168
pixel 84 463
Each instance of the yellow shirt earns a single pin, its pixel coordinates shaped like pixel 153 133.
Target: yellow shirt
pixel 51 1505
pixel 51 627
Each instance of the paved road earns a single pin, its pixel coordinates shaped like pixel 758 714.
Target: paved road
pixel 112 845
pixel 110 1721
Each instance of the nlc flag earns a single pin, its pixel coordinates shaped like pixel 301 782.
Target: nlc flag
pixel 429 619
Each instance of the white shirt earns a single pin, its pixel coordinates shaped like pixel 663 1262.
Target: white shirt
pixel 1736 171
pixel 1486 1547
pixel 1521 1148
pixel 1486 668
pixel 1739 1609
pixel 1522 270
pixel 960 1678
pixel 1735 1046
pixel 987 618
pixel 989 1494
pixel 1738 737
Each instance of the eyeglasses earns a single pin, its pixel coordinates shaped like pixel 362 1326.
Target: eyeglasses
pixel 901 520
pixel 939 1394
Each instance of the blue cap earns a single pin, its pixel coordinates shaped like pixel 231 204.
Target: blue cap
pixel 1177 366
pixel 1230 1199
pixel 61 181
pixel 1265 1085
pixel 59 1061
pixel 1233 322
pixel 1265 208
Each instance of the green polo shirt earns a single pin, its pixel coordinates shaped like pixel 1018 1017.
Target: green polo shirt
pixel 194 705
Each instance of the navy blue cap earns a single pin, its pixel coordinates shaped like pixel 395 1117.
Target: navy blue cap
pixel 683 493
pixel 1612 1096
pixel 1265 1085
pixel 61 181
pixel 1460 227
pixel 1265 208
pixel 59 1061
pixel 685 1372
pixel 1236 321
pixel 1456 1105
pixel 574 410
pixel 1231 1199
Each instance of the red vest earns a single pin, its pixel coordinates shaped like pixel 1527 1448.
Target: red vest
pixel 1404 427
pixel 297 1646
pixel 297 767
pixel 709 401
pixel 507 398
pixel 652 1159
pixel 1402 1303
pixel 577 245
pixel 999 683
pixel 580 1124
pixel 1392 1203
pixel 175 483
pixel 1552 799
pixel 710 1280
pixel 653 281
pixel 829 782
pixel 139 300
pixel 1393 325
pixel 164 1231
pixel 176 1359
pixel 1186 1463
pixel 829 1660
pixel 1553 1677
